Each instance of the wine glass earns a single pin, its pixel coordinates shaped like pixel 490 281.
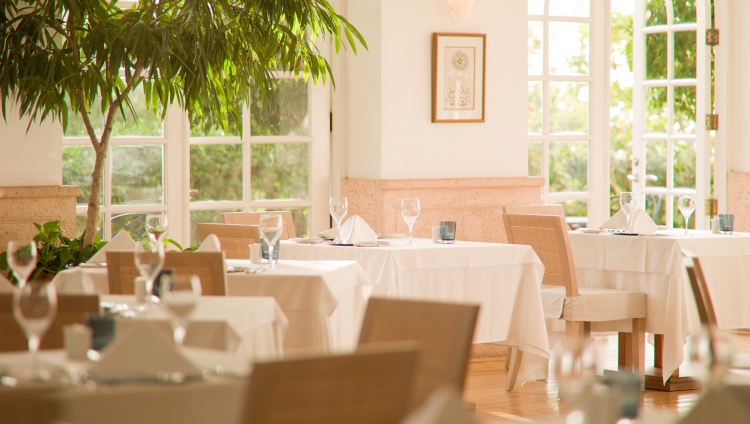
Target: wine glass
pixel 270 225
pixel 686 204
pixel 338 206
pixel 34 307
pixel 22 259
pixel 157 225
pixel 179 296
pixel 410 212
pixel 575 370
pixel 149 259
pixel 628 205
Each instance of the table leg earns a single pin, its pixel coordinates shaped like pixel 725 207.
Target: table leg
pixel 515 366
pixel 654 375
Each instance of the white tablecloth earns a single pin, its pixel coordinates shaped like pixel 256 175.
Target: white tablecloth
pixel 504 279
pixel 247 326
pixel 653 265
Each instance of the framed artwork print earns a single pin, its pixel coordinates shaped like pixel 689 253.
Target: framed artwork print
pixel 458 76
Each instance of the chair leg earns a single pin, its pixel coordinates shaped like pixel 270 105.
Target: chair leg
pixel 515 366
pixel 639 349
pixel 507 357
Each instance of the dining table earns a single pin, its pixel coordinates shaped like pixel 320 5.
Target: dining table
pixel 503 279
pixel 653 264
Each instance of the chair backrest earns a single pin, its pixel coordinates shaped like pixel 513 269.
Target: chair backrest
pixel 367 387
pixel 700 291
pixel 71 309
pixel 252 218
pixel 548 236
pixel 235 239
pixel 208 266
pixel 535 210
pixel 444 332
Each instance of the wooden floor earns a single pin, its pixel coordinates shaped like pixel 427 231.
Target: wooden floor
pixel 538 400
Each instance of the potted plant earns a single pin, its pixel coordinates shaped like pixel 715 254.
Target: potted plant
pixel 62 58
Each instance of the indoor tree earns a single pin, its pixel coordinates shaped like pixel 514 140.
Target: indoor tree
pixel 64 58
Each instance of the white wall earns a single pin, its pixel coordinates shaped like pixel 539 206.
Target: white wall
pixel 29 159
pixel 389 130
pixel 738 84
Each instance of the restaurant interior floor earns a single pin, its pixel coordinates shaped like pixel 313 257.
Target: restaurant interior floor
pixel 538 401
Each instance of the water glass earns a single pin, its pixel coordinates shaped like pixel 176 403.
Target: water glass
pixel 410 212
pixel 271 226
pixel 686 203
pixel 22 259
pixel 628 205
pixel 338 207
pixel 149 259
pixel 179 296
pixel 447 232
pixel 726 223
pixel 102 329
pixel 156 225
pixel 34 308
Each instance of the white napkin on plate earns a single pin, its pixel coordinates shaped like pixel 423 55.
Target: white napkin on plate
pixel 617 221
pixel 5 285
pixel 141 346
pixel 121 241
pixel 641 223
pixel 210 244
pixel 329 234
pixel 355 230
pixel 444 406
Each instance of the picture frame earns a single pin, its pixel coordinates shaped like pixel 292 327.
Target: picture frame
pixel 458 77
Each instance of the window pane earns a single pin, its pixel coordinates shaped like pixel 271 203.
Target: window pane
pixel 284 114
pixel 203 216
pixel 211 126
pixel 684 164
pixel 535 159
pixel 576 213
pixel 569 166
pixel 685 54
pixel 147 124
pixel 678 219
pixel 536 108
pixel 656 12
pixel 279 171
pixel 656 110
pixel 81 225
pixel 536 7
pixel 78 164
pixel 568 48
pixel 656 56
pixel 216 172
pixel 132 223
pixel 656 207
pixel 579 8
pixel 569 107
pixel 299 217
pixel 684 11
pixel 536 48
pixel 656 163
pixel 684 110
pixel 137 175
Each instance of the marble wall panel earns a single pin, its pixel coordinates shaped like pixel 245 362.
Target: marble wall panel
pixel 738 199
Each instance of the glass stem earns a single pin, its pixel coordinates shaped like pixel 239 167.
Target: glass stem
pixel 338 240
pixel 34 349
pixel 270 256
pixel 411 240
pixel 179 335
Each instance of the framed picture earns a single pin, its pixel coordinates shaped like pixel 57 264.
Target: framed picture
pixel 458 68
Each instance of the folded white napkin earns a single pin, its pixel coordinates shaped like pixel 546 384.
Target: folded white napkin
pixel 5 285
pixel 617 221
pixel 121 241
pixel 329 234
pixel 641 223
pixel 444 406
pixel 355 230
pixel 210 244
pixel 140 347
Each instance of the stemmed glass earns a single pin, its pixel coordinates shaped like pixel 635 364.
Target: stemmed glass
pixel 22 259
pixel 179 295
pixel 575 370
pixel 34 307
pixel 410 212
pixel 628 205
pixel 270 225
pixel 157 225
pixel 338 206
pixel 149 259
pixel 686 204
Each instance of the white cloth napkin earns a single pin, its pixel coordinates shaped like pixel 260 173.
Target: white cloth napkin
pixel 641 223
pixel 355 230
pixel 210 244
pixel 142 347
pixel 617 221
pixel 121 241
pixel 329 234
pixel 5 285
pixel 444 406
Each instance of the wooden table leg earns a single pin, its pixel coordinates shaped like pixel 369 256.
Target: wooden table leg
pixel 654 379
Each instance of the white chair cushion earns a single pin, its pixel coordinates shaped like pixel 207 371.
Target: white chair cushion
pixel 592 304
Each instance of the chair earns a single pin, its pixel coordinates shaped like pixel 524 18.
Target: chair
pixel 252 218
pixel 234 238
pixel 548 236
pixel 367 387
pixel 209 266
pixel 444 332
pixel 71 309
pixel 556 210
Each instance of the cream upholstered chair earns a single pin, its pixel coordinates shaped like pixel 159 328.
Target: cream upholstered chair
pixel 556 210
pixel 235 239
pixel 252 218
pixel 444 332
pixel 208 266
pixel 71 309
pixel 548 236
pixel 367 387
